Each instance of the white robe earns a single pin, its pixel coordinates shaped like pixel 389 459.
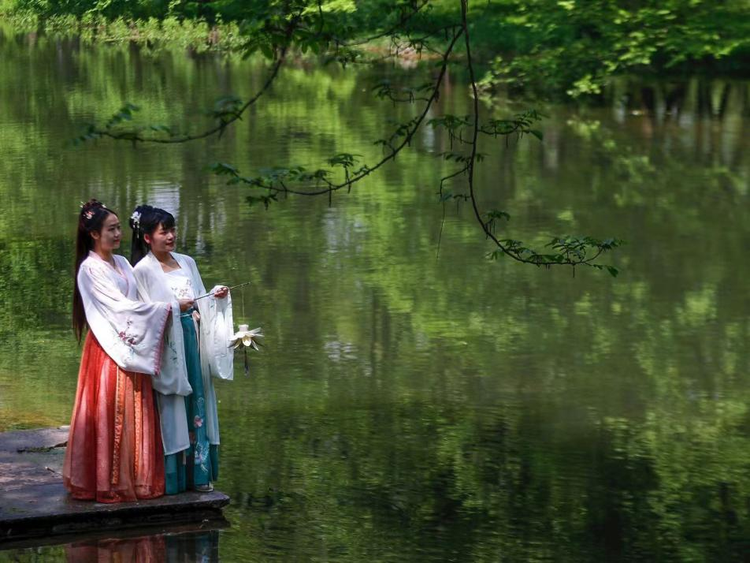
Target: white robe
pixel 129 331
pixel 217 358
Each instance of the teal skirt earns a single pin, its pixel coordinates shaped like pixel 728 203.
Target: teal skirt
pixel 199 464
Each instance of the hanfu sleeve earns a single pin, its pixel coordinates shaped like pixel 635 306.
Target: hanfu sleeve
pixel 130 332
pixel 216 329
pixel 172 379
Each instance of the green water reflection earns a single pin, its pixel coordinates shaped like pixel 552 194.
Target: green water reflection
pixel 410 407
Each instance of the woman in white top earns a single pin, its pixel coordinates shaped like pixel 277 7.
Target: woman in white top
pixel 114 451
pixel 196 348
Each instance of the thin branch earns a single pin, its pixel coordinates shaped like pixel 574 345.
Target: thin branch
pixel 419 44
pixel 225 122
pixel 136 138
pixel 475 133
pixel 440 234
pixel 444 179
pixel 366 171
pixel 390 31
pixel 571 252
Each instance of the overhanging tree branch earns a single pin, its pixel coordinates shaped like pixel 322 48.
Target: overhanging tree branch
pixel 305 24
pixel 403 20
pixel 226 113
pixel 568 251
pixel 276 181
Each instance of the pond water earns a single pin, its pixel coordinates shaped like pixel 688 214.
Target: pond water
pixel 414 400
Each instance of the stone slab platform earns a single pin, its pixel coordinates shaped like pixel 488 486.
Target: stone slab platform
pixel 34 503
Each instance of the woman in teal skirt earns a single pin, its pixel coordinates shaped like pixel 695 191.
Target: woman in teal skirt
pixel 197 348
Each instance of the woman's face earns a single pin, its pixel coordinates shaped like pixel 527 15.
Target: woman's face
pixel 108 239
pixel 161 240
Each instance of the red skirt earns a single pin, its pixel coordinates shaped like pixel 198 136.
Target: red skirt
pixel 115 452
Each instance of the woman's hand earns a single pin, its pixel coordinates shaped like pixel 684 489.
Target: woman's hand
pixel 185 304
pixel 222 292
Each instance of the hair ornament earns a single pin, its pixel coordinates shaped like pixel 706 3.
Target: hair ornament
pixel 135 219
pixel 88 209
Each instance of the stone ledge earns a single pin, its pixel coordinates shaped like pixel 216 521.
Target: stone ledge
pixel 34 503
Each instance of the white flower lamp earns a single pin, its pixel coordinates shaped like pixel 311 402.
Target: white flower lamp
pixel 247 339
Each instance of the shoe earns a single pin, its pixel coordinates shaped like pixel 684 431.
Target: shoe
pixel 204 488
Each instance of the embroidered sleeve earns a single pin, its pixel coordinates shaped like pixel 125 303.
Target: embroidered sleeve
pixel 129 331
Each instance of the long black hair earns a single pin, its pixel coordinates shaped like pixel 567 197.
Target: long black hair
pixel 144 221
pixel 91 219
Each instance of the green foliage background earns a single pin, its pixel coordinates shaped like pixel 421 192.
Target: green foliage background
pixel 567 48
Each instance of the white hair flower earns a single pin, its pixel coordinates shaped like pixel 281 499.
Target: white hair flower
pixel 136 217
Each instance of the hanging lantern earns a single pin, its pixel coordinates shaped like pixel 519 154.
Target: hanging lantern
pixel 247 339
